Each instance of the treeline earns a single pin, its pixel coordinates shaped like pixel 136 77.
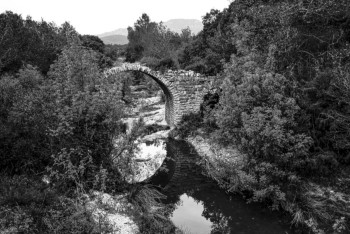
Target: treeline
pixel 37 60
pixel 305 43
pixel 25 41
pixel 283 75
pixel 291 64
pixel 156 46
pixel 283 71
pixel 153 44
pixel 59 116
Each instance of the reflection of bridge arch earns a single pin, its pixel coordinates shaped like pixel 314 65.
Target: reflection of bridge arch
pixel 183 90
pixel 183 175
pixel 228 213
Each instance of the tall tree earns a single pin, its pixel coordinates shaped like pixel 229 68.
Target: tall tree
pixel 27 42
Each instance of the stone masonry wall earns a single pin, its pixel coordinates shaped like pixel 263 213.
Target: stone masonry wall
pixel 184 90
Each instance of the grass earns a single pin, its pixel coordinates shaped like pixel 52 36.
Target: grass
pixel 151 214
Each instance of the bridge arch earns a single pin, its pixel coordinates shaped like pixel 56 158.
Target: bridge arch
pixel 183 90
pixel 168 89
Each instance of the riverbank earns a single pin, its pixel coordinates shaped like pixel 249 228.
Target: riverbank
pixel 122 214
pixel 212 154
pixel 198 205
pixel 225 164
pixel 214 159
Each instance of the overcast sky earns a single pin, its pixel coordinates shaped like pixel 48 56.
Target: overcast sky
pixel 99 16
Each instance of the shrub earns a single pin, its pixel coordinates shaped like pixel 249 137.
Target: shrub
pixel 207 110
pixel 28 205
pixel 27 108
pixel 150 62
pixel 189 124
pixel 87 114
pixel 151 214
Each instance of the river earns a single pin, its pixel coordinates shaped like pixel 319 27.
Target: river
pixel 199 205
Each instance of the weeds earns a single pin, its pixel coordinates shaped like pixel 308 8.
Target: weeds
pixel 150 213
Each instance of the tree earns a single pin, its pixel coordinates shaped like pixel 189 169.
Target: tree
pixel 152 43
pixel 213 46
pixel 77 66
pixel 27 42
pixel 93 42
pixel 13 35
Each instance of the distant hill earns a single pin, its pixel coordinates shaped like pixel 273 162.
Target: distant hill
pixel 115 39
pixel 176 25
pixel 119 31
pixel 119 36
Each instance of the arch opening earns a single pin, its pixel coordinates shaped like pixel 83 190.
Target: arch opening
pixel 169 98
pixel 182 89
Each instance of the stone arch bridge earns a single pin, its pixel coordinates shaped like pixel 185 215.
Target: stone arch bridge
pixel 184 90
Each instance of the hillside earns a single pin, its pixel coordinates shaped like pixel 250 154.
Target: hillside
pixel 115 39
pixel 119 36
pixel 119 31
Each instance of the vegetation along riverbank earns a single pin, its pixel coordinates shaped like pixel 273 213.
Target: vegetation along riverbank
pixel 78 145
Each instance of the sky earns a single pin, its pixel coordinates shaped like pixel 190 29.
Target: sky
pixel 99 16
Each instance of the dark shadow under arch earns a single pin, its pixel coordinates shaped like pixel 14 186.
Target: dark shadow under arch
pixel 169 97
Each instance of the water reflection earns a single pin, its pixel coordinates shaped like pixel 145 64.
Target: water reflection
pixel 188 215
pixel 147 160
pixel 200 206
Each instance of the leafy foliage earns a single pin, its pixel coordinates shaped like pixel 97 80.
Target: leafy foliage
pixel 283 102
pixel 38 43
pixel 62 124
pixel 31 206
pixel 154 44
pixel 27 41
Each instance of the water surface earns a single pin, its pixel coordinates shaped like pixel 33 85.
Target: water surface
pixel 198 205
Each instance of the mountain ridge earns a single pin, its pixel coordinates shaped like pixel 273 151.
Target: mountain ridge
pixel 119 36
pixel 115 39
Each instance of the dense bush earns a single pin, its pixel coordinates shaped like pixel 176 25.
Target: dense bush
pixel 26 115
pixel 65 121
pixel 28 205
pixel 284 98
pixel 284 101
pixel 26 41
pixel 188 125
pixel 73 108
pixel 60 125
pixel 87 112
pixel 60 120
pixel 259 117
